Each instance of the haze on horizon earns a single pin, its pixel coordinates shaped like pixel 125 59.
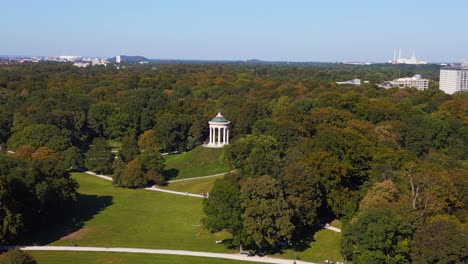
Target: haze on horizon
pixel 299 30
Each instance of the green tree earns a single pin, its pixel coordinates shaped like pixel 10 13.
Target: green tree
pixel 148 140
pixel 380 195
pixel 16 256
pixel 11 221
pixel 377 235
pixel 72 158
pixel 256 155
pixel 133 176
pixel 99 157
pixel 98 115
pixel 40 135
pixel 151 159
pixel 266 214
pixel 129 149
pixel 223 210
pixel 303 192
pixel 440 241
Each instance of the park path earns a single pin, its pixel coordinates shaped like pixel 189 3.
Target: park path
pixel 257 259
pixel 202 177
pixel 332 228
pixel 154 188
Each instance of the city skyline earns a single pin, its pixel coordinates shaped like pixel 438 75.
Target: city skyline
pixel 208 30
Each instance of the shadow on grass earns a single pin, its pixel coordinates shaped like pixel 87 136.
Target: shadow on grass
pixel 71 220
pixel 170 174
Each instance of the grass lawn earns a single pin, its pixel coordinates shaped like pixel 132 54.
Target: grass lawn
pixel 325 245
pixel 115 217
pixel 336 223
pixel 195 163
pixel 59 257
pixel 193 186
pixel 115 145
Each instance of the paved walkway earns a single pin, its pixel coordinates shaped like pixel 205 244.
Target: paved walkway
pixel 257 259
pixel 153 188
pixel 332 228
pixel 203 177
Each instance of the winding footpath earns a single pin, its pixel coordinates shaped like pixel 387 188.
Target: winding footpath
pixel 241 257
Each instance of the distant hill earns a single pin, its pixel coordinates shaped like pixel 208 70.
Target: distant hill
pixel 129 59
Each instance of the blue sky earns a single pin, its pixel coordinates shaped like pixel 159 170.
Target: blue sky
pixel 295 30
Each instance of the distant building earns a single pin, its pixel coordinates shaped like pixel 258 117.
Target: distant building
pixel 413 60
pixel 81 64
pixel 454 79
pixel 354 81
pixel 118 59
pixel 416 82
pixel 69 58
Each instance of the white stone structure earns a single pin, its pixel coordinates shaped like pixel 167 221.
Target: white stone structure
pixel 416 82
pixel 453 80
pixel 219 132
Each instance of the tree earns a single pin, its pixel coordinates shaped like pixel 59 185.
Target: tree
pixel 440 241
pixel 303 193
pixel 380 195
pixel 151 159
pixel 256 155
pixel 72 158
pixel 98 115
pixel 377 235
pixel 133 176
pixel 129 149
pixel 99 157
pixel 39 135
pixel 148 139
pixel 155 177
pixel 223 210
pixel 266 214
pixel 16 256
pixel 11 221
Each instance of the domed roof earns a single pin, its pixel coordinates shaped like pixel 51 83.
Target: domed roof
pixel 219 118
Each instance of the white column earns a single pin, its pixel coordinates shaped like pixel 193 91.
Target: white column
pixel 219 135
pixel 227 136
pixel 210 136
pixel 213 135
pixel 222 135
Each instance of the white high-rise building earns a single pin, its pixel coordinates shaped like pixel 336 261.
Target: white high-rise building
pixel 453 79
pixel 118 59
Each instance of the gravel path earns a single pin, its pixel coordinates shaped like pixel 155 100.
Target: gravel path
pixel 257 259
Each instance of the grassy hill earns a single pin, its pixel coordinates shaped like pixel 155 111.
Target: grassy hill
pixel 196 163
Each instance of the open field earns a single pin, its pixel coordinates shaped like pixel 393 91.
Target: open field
pixel 197 186
pixel 59 257
pixel 115 217
pixel 324 245
pixel 195 163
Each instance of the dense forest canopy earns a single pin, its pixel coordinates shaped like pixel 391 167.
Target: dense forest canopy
pixel 306 150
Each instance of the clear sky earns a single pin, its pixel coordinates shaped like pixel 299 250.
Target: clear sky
pixel 294 30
